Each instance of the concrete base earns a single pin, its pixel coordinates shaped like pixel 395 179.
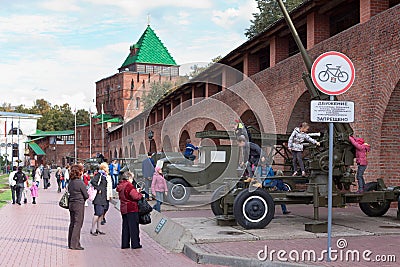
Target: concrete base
pixel 170 234
pixel 316 227
pixel 226 220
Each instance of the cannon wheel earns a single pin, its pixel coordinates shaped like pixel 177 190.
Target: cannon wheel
pixel 217 201
pixel 178 191
pixel 253 210
pixel 374 209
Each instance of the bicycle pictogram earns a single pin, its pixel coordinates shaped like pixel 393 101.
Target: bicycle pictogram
pixel 333 74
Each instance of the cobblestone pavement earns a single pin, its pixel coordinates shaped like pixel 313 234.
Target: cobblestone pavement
pixel 36 235
pixel 384 246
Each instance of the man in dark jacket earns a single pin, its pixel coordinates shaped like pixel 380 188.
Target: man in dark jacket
pixel 46 176
pixel 148 171
pixel 20 179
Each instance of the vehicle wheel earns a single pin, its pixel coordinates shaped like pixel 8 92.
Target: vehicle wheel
pixel 324 163
pixel 178 191
pixel 217 201
pixel 253 210
pixel 374 209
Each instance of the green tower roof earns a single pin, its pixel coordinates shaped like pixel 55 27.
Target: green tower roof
pixel 150 50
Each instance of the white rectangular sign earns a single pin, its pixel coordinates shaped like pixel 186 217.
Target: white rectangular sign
pixel 332 111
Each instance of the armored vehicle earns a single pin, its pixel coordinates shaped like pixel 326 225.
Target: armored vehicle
pixel 186 177
pixel 253 207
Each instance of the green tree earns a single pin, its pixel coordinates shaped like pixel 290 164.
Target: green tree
pixel 156 92
pixel 54 118
pixel 196 69
pixel 269 12
pixel 5 107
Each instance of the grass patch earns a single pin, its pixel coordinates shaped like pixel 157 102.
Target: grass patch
pixel 5 195
pixel 4 181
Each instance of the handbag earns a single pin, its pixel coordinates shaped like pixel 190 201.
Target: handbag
pixel 145 219
pixel 92 192
pixel 144 206
pixel 64 201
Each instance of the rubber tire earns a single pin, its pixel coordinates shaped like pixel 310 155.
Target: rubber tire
pixel 185 198
pixel 371 208
pixel 263 197
pixel 216 201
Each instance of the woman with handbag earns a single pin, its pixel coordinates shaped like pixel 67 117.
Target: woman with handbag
pixel 129 196
pixel 99 182
pixel 76 201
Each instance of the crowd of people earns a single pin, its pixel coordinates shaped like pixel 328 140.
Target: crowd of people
pixel 109 179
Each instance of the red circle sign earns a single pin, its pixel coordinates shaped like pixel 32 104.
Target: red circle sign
pixel 333 73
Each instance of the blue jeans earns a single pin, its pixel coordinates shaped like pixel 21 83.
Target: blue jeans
pixel 159 201
pixel 147 185
pixel 115 180
pixel 280 186
pixel 13 192
pixel 360 176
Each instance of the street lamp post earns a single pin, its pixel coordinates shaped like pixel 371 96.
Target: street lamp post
pixel 55 156
pixel 150 135
pixel 130 141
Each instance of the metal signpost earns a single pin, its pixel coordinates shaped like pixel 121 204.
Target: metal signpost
pixel 333 74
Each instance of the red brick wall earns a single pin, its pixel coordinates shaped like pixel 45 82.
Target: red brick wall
pixel 317 29
pixel 251 64
pixel 279 49
pixel 370 8
pixel 374 48
pixel 390 140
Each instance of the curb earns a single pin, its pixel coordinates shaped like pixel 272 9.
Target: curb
pixel 199 256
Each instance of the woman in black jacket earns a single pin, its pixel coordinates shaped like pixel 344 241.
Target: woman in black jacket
pixel 77 197
pixel 99 182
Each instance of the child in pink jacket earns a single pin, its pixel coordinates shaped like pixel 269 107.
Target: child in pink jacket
pixel 158 188
pixel 362 149
pixel 34 191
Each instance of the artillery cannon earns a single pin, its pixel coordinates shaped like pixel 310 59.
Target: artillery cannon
pixel 253 207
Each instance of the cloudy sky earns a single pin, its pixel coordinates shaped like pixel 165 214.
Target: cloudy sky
pixel 58 49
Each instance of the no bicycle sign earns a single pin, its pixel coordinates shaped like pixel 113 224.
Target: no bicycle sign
pixel 333 73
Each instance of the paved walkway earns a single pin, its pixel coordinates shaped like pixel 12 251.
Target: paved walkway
pixel 380 235
pixel 36 235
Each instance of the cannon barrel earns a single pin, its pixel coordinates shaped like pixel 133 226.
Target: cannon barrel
pixel 342 129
